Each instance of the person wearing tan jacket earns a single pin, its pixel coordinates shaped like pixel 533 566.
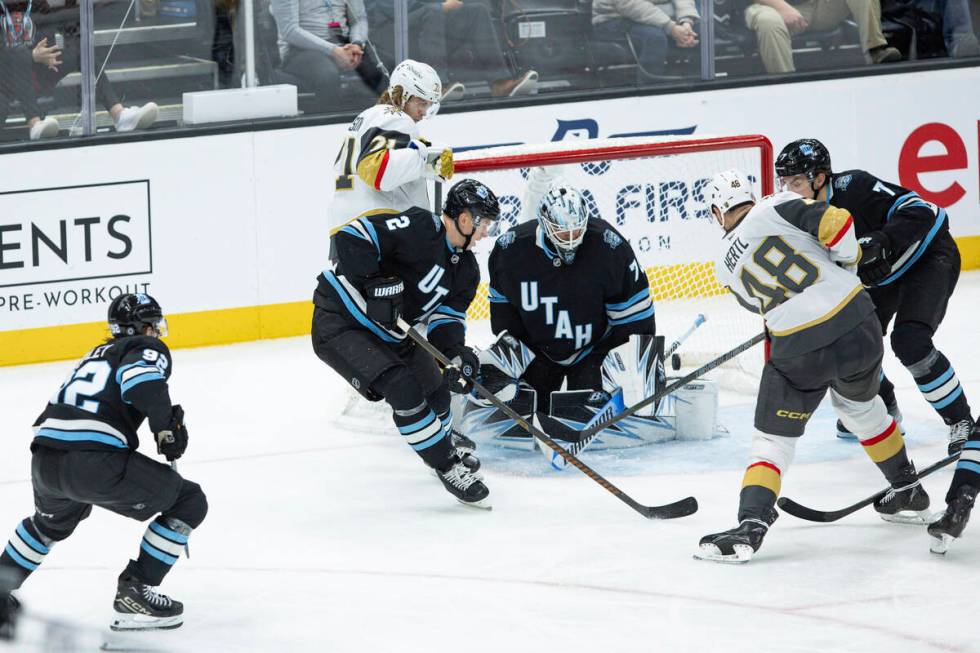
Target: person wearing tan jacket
pixel 647 24
pixel 775 21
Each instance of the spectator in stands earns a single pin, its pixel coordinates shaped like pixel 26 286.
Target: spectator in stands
pixel 645 26
pixel 321 39
pixel 958 34
pixel 458 39
pixel 31 63
pixel 774 21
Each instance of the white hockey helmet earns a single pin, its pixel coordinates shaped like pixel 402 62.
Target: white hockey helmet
pixel 729 189
pixel 417 79
pixel 562 215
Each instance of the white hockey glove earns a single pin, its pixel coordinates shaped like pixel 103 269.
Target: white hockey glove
pixel 438 161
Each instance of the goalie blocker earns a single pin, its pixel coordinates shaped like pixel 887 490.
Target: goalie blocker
pixel 630 373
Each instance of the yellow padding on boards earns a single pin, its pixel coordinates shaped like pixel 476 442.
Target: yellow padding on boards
pixel 197 329
pixel 763 474
pixel 883 447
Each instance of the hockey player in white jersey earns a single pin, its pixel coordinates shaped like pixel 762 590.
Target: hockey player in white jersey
pixel 792 260
pixel 383 163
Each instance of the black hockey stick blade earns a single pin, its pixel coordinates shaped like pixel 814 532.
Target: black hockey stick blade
pixel 802 512
pixel 673 510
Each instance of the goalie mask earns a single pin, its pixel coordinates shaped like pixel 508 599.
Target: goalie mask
pixel 728 190
pixel 130 314
pixel 562 216
pixel 416 79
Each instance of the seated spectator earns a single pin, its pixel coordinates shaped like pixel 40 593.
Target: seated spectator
pixel 31 63
pixel 457 39
pixel 774 21
pixel 319 40
pixel 958 34
pixel 646 24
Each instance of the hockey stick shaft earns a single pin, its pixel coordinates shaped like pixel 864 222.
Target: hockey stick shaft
pixel 698 321
pixel 187 546
pixel 680 508
pixel 810 514
pixel 640 405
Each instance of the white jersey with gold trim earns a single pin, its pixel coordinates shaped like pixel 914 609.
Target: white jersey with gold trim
pixel 784 260
pixel 379 166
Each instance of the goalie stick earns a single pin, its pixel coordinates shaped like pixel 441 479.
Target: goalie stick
pixel 802 512
pixel 557 462
pixel 682 508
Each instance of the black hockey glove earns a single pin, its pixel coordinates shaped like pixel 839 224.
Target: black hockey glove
pixel 464 368
pixel 874 265
pixel 383 297
pixel 172 442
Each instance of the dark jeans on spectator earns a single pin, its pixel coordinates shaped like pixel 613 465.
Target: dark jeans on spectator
pixel 649 42
pixel 462 42
pixel 24 80
pixel 320 74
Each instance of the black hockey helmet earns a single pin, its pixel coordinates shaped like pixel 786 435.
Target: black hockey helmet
pixel 130 313
pixel 806 156
pixel 476 197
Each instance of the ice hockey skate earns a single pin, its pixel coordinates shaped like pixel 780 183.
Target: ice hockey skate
pixel 958 433
pixel 738 545
pixel 140 607
pixel 908 504
pixel 951 523
pixel 464 484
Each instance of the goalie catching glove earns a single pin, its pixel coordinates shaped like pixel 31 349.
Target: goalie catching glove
pixel 463 369
pixel 172 442
pixel 383 300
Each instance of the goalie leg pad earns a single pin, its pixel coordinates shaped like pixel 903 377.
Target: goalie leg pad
pixel 488 424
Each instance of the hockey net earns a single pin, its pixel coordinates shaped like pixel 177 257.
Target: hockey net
pixel 653 189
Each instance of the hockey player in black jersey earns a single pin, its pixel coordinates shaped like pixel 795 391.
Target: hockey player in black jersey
pixel 910 265
pixel 415 265
pixel 84 455
pixel 569 287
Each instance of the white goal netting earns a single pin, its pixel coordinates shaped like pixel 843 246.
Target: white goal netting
pixel 653 190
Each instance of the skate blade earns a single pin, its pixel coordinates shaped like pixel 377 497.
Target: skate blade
pixel 711 553
pixel 482 504
pixel 920 518
pixel 136 623
pixel 940 545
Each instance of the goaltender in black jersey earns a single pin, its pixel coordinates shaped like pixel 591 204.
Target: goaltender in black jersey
pixel 417 266
pixel 569 287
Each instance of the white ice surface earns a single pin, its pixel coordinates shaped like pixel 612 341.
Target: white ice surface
pixel 324 540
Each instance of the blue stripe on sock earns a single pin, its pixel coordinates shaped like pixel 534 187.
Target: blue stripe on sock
pixel 969 466
pixel 949 398
pixel 938 381
pixel 168 534
pixel 972 444
pixel 157 553
pixel 19 559
pixel 425 444
pixel 417 426
pixel 34 544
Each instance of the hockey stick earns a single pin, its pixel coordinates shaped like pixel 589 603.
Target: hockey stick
pixel 809 514
pixel 698 321
pixel 704 369
pixel 682 508
pixel 557 462
pixel 187 546
pixel 589 434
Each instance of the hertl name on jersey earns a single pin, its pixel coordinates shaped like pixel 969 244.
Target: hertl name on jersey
pixel 564 329
pixel 734 253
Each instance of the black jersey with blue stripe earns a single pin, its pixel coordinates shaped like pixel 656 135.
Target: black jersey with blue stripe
pixel 440 280
pixel 567 311
pixel 910 223
pixel 108 394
